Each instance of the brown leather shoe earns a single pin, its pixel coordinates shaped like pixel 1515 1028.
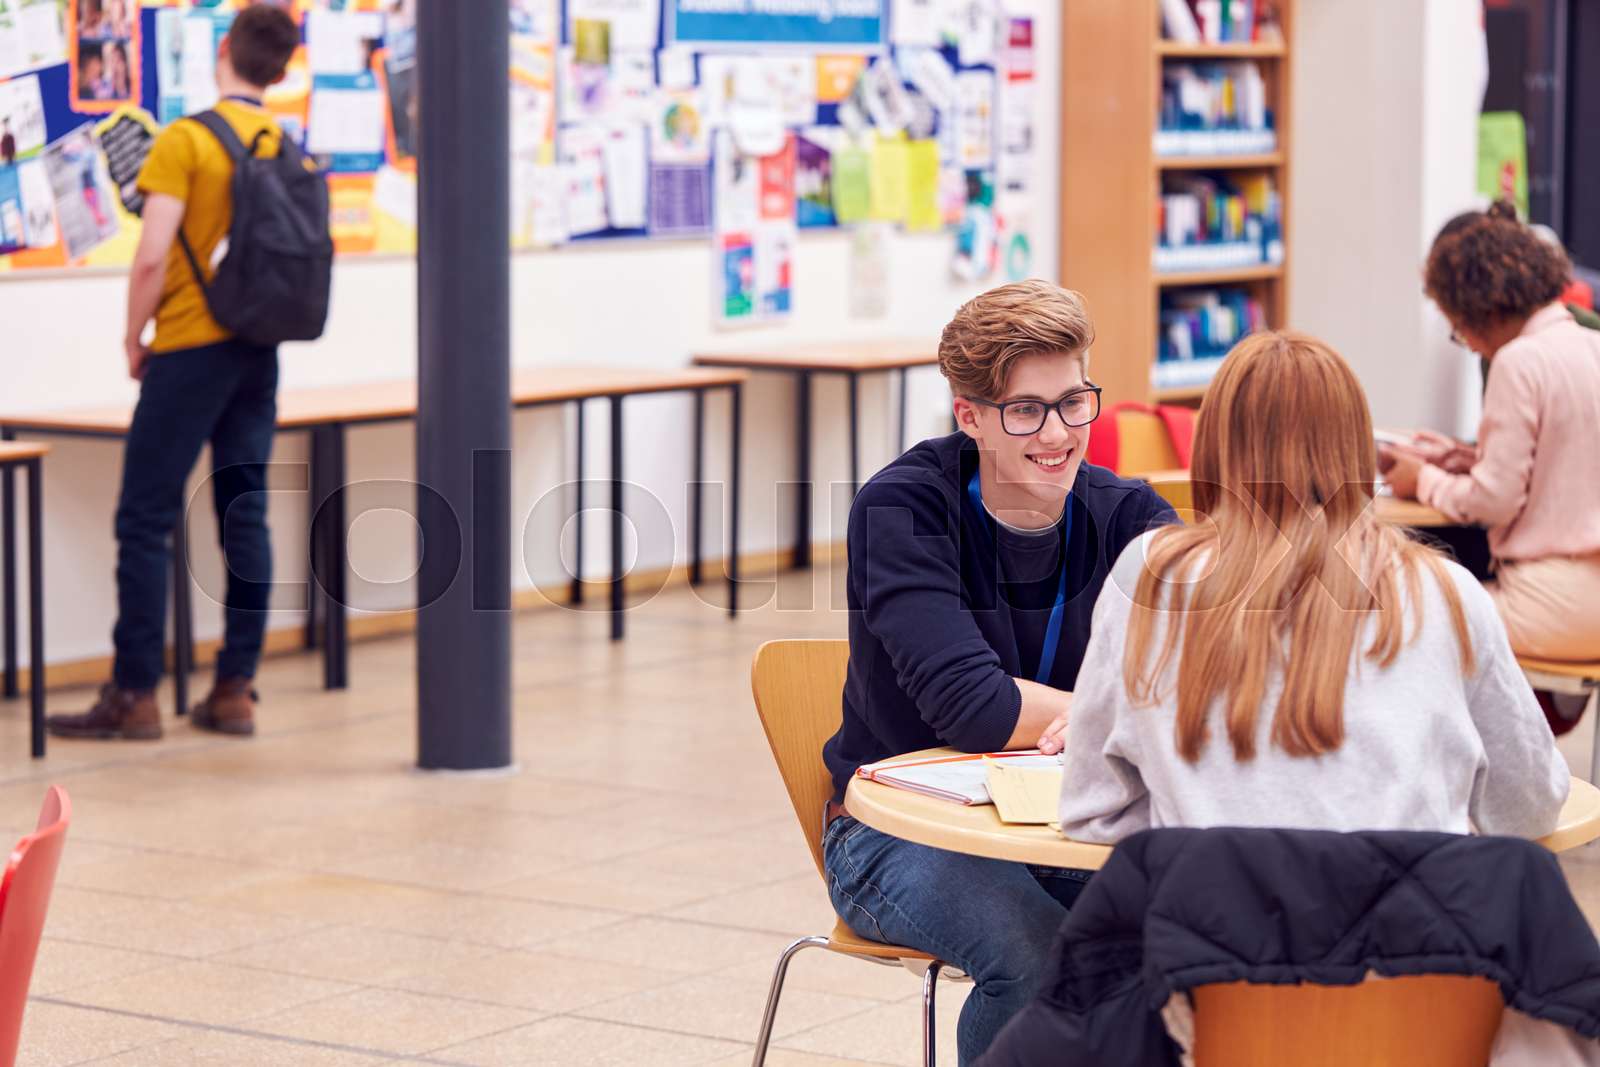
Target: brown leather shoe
pixel 129 714
pixel 228 709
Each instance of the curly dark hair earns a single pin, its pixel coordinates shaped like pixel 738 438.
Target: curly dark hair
pixel 1487 268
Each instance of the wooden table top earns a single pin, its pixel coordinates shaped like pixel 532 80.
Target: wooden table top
pixel 870 355
pixel 976 830
pixel 1389 509
pixel 397 398
pixel 19 451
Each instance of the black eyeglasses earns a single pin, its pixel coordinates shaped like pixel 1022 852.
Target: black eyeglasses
pixel 1024 418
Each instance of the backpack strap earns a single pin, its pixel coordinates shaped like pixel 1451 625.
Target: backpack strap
pixel 225 134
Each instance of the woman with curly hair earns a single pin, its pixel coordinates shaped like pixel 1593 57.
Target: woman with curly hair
pixel 1531 478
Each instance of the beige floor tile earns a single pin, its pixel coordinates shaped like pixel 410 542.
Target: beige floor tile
pixel 239 1050
pixel 736 861
pixel 354 954
pixel 829 972
pixel 205 992
pixel 586 1043
pixel 538 981
pixel 613 885
pixel 498 921
pixel 321 898
pixel 726 1008
pixel 692 948
pixel 437 865
pixel 782 1057
pixel 186 929
pixel 62 966
pixel 167 875
pixel 797 906
pixel 889 1033
pixel 389 1021
pixel 54 1035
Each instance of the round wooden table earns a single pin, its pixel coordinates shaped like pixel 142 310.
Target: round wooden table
pixel 977 830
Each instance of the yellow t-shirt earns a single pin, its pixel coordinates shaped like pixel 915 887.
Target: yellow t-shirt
pixel 188 162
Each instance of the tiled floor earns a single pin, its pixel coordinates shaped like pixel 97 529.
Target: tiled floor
pixel 307 898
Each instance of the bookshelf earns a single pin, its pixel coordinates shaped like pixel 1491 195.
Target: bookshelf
pixel 1112 57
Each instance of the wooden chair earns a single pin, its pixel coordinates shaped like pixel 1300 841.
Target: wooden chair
pixel 798 686
pixel 1576 679
pixel 24 898
pixel 1143 444
pixel 1422 1021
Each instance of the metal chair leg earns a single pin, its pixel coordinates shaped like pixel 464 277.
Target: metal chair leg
pixel 771 1014
pixel 930 985
pixel 1589 708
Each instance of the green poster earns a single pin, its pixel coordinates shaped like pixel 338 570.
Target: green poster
pixel 1503 158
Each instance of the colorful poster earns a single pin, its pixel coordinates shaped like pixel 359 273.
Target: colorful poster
pixel 975 118
pixel 755 233
pixel 22 127
pixel 852 176
pixel 737 262
pixel 922 186
pixel 837 76
pixel 85 204
pixel 813 183
pixel 890 184
pixel 633 23
pixel 767 22
pixel 104 71
pixel 13 219
pixel 977 238
pixel 680 132
pixel 125 138
pixel 680 200
pixel 583 164
pixel 347 131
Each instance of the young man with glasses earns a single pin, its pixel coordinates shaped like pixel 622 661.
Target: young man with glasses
pixel 975 562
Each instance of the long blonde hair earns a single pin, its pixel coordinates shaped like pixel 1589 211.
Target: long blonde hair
pixel 1287 559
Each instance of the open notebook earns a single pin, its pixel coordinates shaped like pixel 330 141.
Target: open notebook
pixel 964 779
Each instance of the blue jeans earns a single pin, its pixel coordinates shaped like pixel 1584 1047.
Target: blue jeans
pixel 225 394
pixel 993 919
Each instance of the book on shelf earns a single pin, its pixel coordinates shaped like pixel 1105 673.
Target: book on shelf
pixel 1214 223
pixel 1219 21
pixel 1214 109
pixel 1184 373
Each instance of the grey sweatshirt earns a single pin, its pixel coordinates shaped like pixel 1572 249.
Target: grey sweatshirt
pixel 1425 747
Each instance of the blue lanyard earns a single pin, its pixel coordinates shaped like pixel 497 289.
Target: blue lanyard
pixel 1052 632
pixel 240 98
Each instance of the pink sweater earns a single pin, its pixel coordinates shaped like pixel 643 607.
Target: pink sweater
pixel 1536 483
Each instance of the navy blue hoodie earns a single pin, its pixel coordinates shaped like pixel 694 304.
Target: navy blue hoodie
pixel 946 607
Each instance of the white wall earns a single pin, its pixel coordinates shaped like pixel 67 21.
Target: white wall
pixel 1386 99
pixel 635 303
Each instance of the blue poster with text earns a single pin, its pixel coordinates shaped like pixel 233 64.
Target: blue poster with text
pixel 830 23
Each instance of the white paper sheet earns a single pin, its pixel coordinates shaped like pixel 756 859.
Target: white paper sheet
pixel 333 42
pixel 633 22
pixel 914 23
pixel 22 106
pixel 13 49
pixel 199 63
pixel 346 121
pixel 626 177
pixel 676 67
pixel 583 171
pixel 38 203
pixel 975 117
pixel 43 37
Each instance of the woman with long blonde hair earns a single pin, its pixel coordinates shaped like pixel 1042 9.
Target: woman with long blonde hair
pixel 1288 660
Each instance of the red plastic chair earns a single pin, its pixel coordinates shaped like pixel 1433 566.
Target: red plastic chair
pixel 24 899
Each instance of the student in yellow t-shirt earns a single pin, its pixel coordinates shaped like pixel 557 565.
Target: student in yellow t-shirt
pixel 198 385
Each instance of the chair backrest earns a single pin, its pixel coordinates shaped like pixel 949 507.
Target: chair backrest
pixel 1421 1021
pixel 1143 443
pixel 24 897
pixel 799 687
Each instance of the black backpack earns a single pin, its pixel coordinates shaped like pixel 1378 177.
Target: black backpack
pixel 272 284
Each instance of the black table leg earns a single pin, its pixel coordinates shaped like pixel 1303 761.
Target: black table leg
pixel 697 487
pixel 616 518
pixel 802 458
pixel 900 423
pixel 855 433
pixel 576 595
pixel 317 565
pixel 331 517
pixel 182 609
pixel 736 416
pixel 8 568
pixel 36 604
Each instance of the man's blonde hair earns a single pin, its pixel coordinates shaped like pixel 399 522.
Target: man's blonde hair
pixel 993 330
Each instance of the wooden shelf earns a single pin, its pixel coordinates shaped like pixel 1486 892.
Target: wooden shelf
pixel 1265 159
pixel 1184 394
pixel 1219 277
pixel 1235 50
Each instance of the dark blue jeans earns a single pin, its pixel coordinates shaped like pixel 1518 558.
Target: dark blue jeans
pixel 993 919
pixel 225 394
